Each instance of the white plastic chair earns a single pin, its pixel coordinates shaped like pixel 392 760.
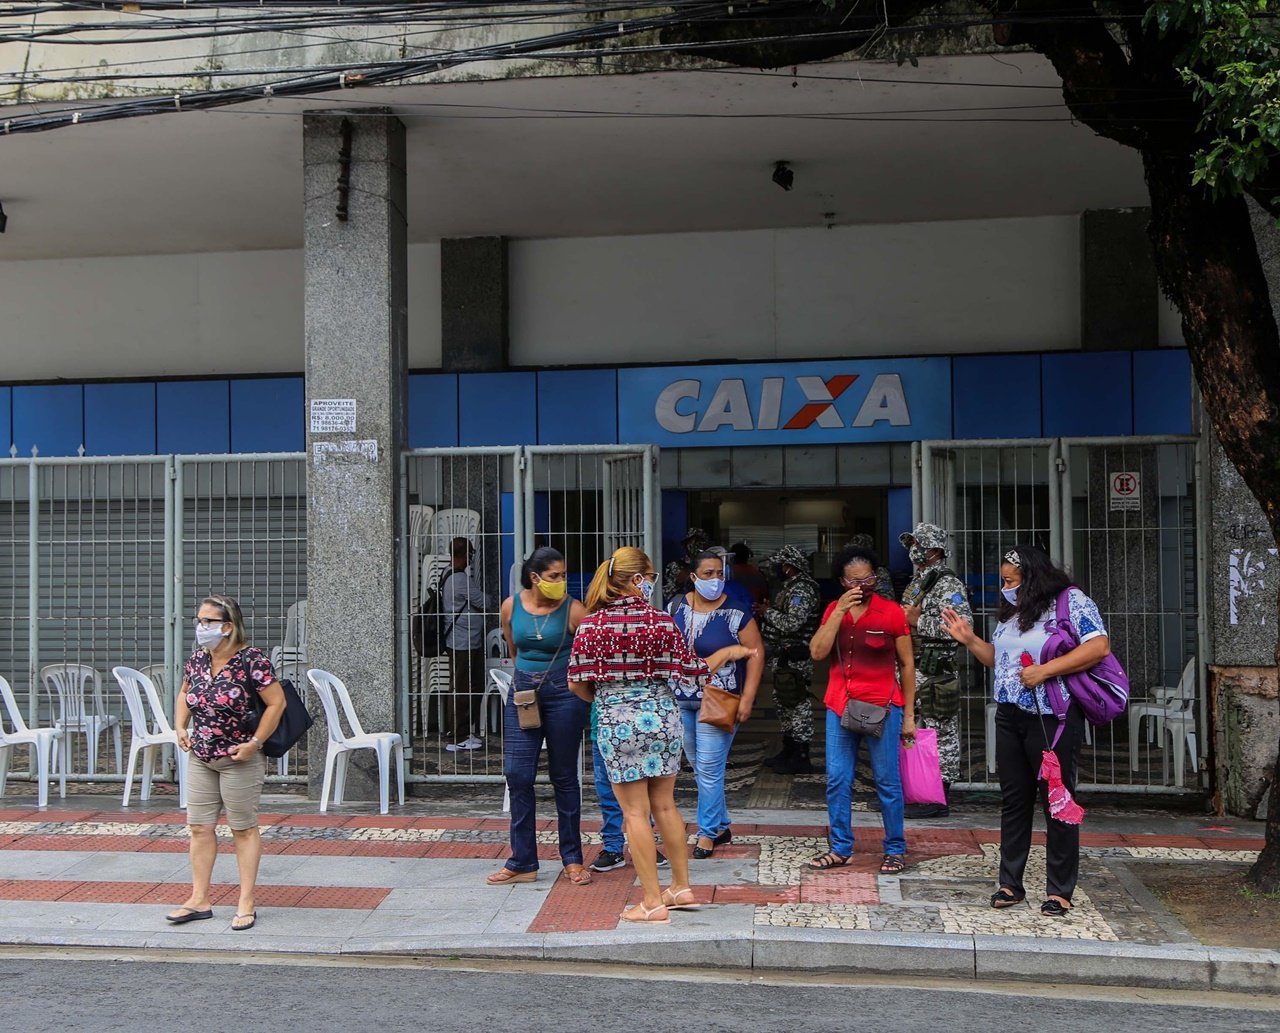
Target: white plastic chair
pixel 495 644
pixel 41 740
pixel 1180 729
pixel 438 683
pixel 991 735
pixel 150 732
pixel 81 710
pixel 431 573
pixel 1166 700
pixel 497 687
pixel 328 687
pixel 291 664
pixel 448 524
pixel 159 678
pixel 295 628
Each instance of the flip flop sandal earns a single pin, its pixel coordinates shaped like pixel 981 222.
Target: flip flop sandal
pixel 576 874
pixel 642 914
pixel 828 860
pixel 1054 908
pixel 191 915
pixel 1002 898
pixel 682 901
pixel 893 864
pixel 504 876
pixel 253 920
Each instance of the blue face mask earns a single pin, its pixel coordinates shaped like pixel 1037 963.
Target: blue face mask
pixel 646 589
pixel 1011 595
pixel 709 589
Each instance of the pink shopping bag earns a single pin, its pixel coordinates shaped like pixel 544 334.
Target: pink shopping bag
pixel 921 771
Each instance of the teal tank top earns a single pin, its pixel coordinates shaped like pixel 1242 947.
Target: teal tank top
pixel 534 654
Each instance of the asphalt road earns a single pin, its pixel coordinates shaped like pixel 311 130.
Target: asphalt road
pixel 46 993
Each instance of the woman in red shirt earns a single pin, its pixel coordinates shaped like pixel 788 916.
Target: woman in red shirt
pixel 871 643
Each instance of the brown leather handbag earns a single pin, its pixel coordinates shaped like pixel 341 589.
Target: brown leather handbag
pixel 719 708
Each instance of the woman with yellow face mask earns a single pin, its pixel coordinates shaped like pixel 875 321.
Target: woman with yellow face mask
pixel 538 624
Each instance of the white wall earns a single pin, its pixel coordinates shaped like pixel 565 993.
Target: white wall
pixel 909 289
pixel 177 315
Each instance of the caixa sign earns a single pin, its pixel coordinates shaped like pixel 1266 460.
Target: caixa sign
pixel 786 403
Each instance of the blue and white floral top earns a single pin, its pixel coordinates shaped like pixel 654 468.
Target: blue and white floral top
pixel 1011 642
pixel 706 633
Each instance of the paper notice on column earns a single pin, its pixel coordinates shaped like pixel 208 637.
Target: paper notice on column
pixel 333 416
pixel 350 452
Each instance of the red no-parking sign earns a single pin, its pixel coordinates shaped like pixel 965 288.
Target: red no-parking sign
pixel 1126 490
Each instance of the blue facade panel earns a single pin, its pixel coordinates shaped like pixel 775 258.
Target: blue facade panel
pixel 193 417
pixel 996 396
pixel 49 417
pixel 899 506
pixel 120 419
pixel 1087 394
pixel 267 415
pixel 497 409
pixel 433 410
pixel 1162 392
pixel 578 407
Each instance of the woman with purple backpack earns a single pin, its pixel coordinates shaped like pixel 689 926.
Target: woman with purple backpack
pixel 1027 724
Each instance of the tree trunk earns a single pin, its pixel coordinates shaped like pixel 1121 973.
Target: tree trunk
pixel 1208 264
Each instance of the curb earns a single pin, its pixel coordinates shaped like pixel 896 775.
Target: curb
pixel 944 956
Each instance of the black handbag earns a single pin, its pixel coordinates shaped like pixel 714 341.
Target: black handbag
pixel 294 722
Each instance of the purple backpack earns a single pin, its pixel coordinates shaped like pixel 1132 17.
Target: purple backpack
pixel 1102 692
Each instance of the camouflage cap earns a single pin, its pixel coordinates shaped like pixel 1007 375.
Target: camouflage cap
pixel 860 541
pixel 792 555
pixel 695 540
pixel 927 536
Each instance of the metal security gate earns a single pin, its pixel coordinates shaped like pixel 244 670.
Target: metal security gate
pixel 1120 515
pixel 502 503
pixel 103 560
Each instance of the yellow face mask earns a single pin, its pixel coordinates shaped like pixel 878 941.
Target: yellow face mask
pixel 552 589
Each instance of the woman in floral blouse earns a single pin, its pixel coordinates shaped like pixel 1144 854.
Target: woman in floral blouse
pixel 224 684
pixel 626 653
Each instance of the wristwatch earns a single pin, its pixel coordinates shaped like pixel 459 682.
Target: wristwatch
pixel 256 741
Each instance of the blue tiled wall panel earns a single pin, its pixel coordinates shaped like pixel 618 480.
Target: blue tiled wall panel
pixel 578 407
pixel 49 417
pixel 675 522
pixel 996 396
pixel 120 419
pixel 1162 392
pixel 497 409
pixel 6 421
pixel 193 417
pixel 433 410
pixel 267 415
pixel 1086 394
pixel 899 506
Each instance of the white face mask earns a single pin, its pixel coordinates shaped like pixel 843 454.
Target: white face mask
pixel 646 589
pixel 709 588
pixel 1011 595
pixel 208 637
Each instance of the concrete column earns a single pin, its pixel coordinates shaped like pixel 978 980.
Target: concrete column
pixel 356 333
pixel 1117 280
pixel 474 304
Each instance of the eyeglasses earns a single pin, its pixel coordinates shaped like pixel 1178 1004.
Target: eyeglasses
pixel 209 622
pixel 859 582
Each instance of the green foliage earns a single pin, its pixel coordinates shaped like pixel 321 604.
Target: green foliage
pixel 1232 63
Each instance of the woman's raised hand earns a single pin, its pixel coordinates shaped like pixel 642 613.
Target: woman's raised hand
pixel 848 600
pixel 957 627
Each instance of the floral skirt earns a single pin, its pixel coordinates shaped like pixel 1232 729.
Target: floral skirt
pixel 639 730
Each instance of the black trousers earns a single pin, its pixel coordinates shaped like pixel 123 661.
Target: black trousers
pixel 1020 741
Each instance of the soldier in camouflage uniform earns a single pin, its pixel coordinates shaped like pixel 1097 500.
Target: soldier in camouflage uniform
pixel 675 579
pixel 884 583
pixel 933 588
pixel 787 626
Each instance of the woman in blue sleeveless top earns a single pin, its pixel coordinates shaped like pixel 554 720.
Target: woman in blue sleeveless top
pixel 538 624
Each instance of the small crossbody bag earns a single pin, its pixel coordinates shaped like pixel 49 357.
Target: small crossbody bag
pixel 528 712
pixel 861 717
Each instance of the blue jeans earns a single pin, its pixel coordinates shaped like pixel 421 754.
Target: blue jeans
pixel 610 810
pixel 842 761
pixel 708 750
pixel 564 717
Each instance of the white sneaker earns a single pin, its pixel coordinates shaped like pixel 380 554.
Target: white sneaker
pixel 469 743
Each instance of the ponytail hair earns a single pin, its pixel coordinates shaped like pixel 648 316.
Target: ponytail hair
pixel 539 560
pixel 613 577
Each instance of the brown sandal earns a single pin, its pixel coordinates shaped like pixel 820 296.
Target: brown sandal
pixel 503 876
pixel 642 914
pixel 577 875
pixel 828 860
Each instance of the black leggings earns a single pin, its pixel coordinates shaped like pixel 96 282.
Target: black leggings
pixel 1020 741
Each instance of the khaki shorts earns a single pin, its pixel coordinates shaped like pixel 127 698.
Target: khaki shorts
pixel 235 785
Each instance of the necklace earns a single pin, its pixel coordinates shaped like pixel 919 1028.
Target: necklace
pixel 537 627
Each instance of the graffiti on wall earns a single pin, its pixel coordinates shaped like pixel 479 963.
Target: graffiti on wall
pixel 1248 585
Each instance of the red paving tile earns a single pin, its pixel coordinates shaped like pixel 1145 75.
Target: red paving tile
pixel 167 818
pixel 738 850
pixel 1182 842
pixel 109 892
pixel 819 831
pixel 323 821
pixel 757 895
pixel 597 907
pixel 939 836
pixel 36 889
pixel 842 887
pixel 169 846
pixel 1101 839
pixel 280 896
pixel 381 821
pixel 446 823
pixel 1220 842
pixel 22 814
pixel 7 839
pixel 482 851
pixel 170 893
pixel 62 816
pixel 375 848
pixel 494 823
pixel 321 847
pixel 359 898
pixel 93 844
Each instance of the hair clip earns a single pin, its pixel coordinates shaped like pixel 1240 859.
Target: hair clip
pixel 1013 558
pixel 610 571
